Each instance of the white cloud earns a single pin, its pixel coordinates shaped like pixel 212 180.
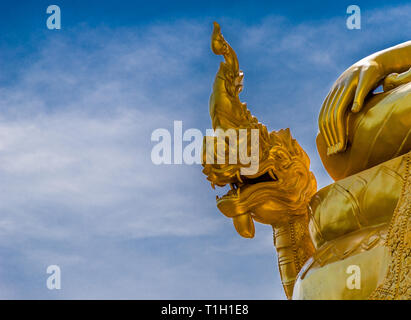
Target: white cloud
pixel 79 189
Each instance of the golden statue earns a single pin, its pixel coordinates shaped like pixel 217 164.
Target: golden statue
pixel 363 220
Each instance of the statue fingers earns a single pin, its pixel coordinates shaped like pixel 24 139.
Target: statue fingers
pixel 340 108
pixel 394 80
pixel 390 82
pixel 324 120
pixel 321 121
pixel 333 104
pixel 368 79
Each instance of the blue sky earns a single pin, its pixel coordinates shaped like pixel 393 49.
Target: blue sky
pixel 77 109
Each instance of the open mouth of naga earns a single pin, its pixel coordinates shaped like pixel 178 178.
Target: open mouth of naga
pixel 247 183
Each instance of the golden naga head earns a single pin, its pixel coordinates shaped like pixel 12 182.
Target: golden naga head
pixel 268 173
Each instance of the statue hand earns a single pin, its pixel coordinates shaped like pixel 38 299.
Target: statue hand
pixel 394 80
pixel 347 94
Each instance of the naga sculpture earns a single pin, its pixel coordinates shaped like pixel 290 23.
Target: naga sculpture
pixel 361 220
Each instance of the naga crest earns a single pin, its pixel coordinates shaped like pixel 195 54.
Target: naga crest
pixel 275 179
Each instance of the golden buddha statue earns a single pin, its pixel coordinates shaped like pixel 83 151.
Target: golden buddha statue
pixel 363 219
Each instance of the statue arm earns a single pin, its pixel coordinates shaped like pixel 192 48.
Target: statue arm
pixel 352 87
pixel 395 59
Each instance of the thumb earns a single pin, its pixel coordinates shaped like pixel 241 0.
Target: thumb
pixel 365 84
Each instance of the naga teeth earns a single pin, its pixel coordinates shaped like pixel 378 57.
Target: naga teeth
pixel 272 175
pixel 212 185
pixel 239 177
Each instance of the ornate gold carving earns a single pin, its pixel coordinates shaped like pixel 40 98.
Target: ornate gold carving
pixel 397 283
pixel 283 183
pixel 294 247
pixel 279 192
pixel 347 220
